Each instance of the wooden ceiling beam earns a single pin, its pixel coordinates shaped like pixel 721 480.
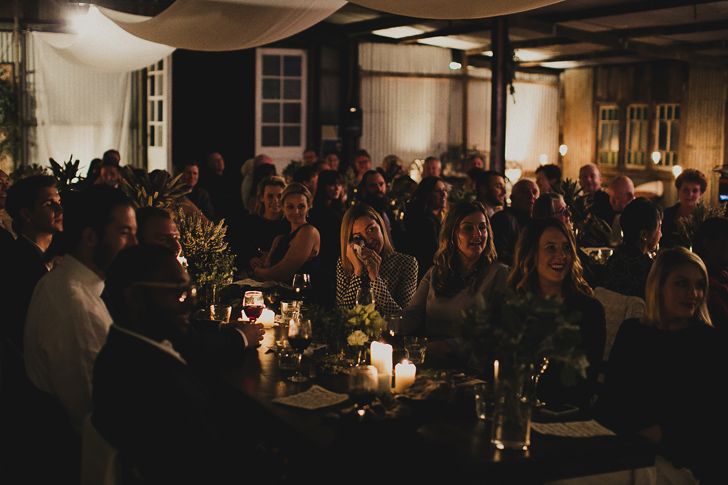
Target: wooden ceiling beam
pixel 541 42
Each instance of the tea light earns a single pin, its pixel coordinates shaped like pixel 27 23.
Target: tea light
pixel 404 376
pixel 381 357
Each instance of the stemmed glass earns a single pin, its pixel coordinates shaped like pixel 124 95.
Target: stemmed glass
pixel 364 296
pixel 537 371
pixel 301 285
pixel 299 337
pixel 363 386
pixel 253 305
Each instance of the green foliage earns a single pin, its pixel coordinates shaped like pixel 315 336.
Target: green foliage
pixel 161 192
pixel 687 226
pixel 209 259
pixel 333 327
pixel 67 174
pixel 523 330
pixel 9 127
pixel 25 171
pixel 590 230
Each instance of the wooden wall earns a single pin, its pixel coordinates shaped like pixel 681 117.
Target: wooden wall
pixel 701 91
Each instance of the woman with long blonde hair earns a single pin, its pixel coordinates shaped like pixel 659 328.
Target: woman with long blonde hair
pixel 464 267
pixel 666 370
pixel 368 260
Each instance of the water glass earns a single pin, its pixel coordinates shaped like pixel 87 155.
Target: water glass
pixel 221 312
pixel 415 348
pixel 481 401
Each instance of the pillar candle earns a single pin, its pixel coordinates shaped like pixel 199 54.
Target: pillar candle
pixel 381 357
pixel 404 376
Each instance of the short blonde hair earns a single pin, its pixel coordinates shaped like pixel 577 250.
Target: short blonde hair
pixel 347 225
pixel 666 262
pixel 272 180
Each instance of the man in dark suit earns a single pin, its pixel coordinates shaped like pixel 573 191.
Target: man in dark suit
pixel 35 207
pixel 148 402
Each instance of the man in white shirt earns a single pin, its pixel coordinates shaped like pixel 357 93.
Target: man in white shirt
pixel 67 321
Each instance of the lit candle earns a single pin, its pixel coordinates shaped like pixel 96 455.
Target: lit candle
pixel 381 356
pixel 404 376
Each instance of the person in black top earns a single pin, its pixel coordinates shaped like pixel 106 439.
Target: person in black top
pixel 423 220
pixel 508 223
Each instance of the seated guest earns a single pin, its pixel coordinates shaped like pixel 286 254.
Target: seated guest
pixel 691 185
pixel 665 371
pixel 332 160
pixel 552 205
pixel 308 177
pixel 547 177
pixel 373 192
pixel 465 267
pixel 148 403
pixel 35 207
pixel 710 243
pixel 109 173
pixel 251 236
pixel 508 223
pixel 67 320
pixel 198 196
pixel 423 220
pixel 490 190
pixel 590 179
pixel 260 173
pixel 627 269
pixel 392 167
pixel 546 263
pixel 299 251
pixel 368 260
pixel 155 226
pixel 621 193
pixel 248 190
pixel 431 167
pixel 326 215
pixel 471 178
pixel 476 160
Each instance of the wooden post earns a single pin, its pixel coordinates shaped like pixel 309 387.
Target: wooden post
pixel 499 42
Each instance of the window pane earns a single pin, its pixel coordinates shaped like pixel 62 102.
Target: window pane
pixel 271 89
pixel 160 136
pixel 271 136
pixel 291 136
pixel 160 111
pixel 615 138
pixel 292 66
pixel 292 89
pixel 271 112
pixel 151 112
pixel 160 85
pixel 271 65
pixel 674 136
pixel 160 65
pixel 677 112
pixel 662 136
pixel 152 80
pixel 151 135
pixel 292 113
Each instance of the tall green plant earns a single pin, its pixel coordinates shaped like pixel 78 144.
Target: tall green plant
pixel 9 127
pixel 162 191
pixel 67 174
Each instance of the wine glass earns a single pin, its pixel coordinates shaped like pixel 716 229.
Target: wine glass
pixel 301 285
pixel 253 305
pixel 364 296
pixel 537 371
pixel 299 337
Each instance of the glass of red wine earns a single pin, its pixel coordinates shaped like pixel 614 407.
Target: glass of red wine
pixel 299 337
pixel 301 285
pixel 363 387
pixel 253 305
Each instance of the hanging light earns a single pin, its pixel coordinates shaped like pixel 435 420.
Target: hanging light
pixel 656 156
pixel 563 149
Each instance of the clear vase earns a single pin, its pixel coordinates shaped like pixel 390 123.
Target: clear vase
pixel 512 413
pixel 358 354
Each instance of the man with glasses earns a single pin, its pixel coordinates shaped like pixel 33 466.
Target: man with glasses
pixel 148 401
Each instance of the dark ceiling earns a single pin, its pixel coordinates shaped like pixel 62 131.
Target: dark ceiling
pixel 572 33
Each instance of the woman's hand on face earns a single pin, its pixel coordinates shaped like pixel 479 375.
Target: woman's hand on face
pixel 355 261
pixel 373 261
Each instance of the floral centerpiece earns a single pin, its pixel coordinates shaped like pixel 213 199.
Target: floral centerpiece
pixel 344 329
pixel 521 333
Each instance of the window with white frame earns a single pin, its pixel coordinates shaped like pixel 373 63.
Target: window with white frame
pixel 281 103
pixel 608 135
pixel 158 97
pixel 667 134
pixel 637 129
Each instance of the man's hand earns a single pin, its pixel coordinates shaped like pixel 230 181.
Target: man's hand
pixel 253 332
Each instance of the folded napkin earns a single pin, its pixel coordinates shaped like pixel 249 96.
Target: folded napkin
pixel 316 397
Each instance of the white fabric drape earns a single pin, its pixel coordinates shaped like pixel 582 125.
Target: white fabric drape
pixel 414 117
pixel 101 45
pixel 222 25
pixel 79 112
pixel 453 9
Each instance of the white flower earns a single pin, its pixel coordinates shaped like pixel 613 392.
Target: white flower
pixel 357 338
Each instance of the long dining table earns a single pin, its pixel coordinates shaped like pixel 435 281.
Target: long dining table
pixel 433 441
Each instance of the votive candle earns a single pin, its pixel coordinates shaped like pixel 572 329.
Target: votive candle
pixel 404 376
pixel 381 357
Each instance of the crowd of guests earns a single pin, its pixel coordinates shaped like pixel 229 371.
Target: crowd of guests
pixel 69 334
